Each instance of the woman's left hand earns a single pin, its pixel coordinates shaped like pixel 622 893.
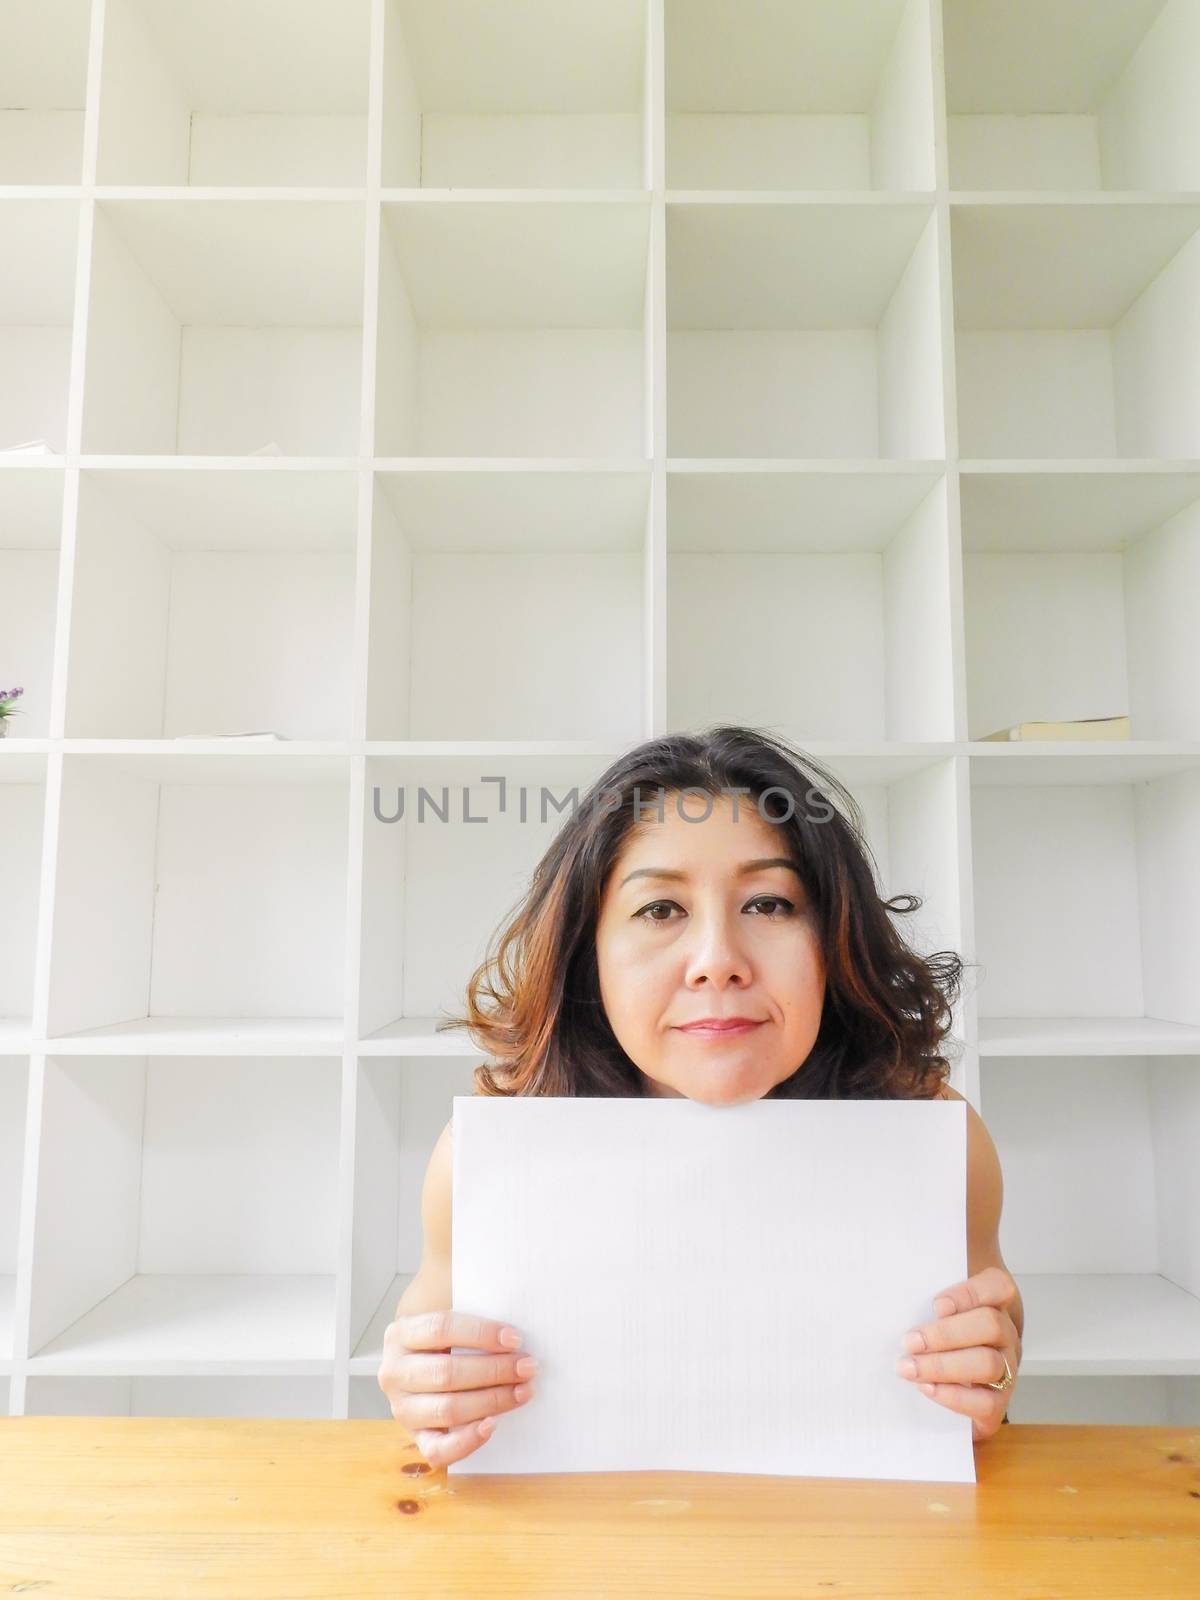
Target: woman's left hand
pixel 955 1358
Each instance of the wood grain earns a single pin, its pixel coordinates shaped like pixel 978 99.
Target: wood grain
pixel 129 1508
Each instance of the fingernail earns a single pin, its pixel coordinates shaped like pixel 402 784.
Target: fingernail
pixel 526 1367
pixel 943 1305
pixel 906 1367
pixel 510 1337
pixel 914 1341
pixel 925 1388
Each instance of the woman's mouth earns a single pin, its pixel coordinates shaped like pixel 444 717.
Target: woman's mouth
pixel 719 1027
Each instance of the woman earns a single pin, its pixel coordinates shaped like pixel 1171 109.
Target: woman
pixel 706 925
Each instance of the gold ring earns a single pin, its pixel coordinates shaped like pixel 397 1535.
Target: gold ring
pixel 1006 1382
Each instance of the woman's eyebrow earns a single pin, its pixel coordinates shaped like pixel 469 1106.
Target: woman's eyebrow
pixel 746 867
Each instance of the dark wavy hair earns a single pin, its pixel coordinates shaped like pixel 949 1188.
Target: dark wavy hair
pixel 534 1005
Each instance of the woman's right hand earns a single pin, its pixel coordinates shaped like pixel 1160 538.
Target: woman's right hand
pixel 447 1402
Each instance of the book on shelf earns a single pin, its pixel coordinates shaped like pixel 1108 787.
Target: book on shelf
pixel 1083 728
pixel 29 447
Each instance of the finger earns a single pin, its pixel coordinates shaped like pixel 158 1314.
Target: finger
pixel 986 1429
pixel 990 1287
pixel 453 1444
pixel 976 1364
pixel 985 1325
pixel 441 1370
pixel 442 1330
pixel 449 1410
pixel 969 1398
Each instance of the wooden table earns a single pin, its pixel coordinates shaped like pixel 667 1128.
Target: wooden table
pixel 129 1508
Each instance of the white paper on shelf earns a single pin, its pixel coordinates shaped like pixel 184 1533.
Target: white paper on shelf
pixel 30 447
pixel 713 1289
pixel 263 735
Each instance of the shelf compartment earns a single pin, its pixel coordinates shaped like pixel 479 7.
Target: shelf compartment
pixel 261 1395
pixel 208 1241
pixel 14 1096
pixel 43 76
pixel 22 808
pixel 189 890
pixel 912 813
pixel 1138 1401
pixel 198 1036
pixel 841 581
pixel 415 1036
pixel 204 339
pixel 1065 94
pixel 16 1035
pixel 1077 590
pixel 549 94
pixel 1068 762
pixel 31 501
pixel 1106 1146
pixel 496 562
pixel 367 1353
pixel 232 92
pixel 803 329
pixel 37 309
pixel 543 354
pixel 402 1106
pixel 1091 1036
pixel 1076 329
pixel 213 603
pixel 420 938
pixel 825 94
pixel 367 1401
pixel 1085 892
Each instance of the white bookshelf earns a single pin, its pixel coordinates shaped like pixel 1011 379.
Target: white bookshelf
pixel 467 390
pixel 43 87
pixel 37 302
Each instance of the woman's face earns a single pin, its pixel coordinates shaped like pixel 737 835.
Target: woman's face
pixel 704 918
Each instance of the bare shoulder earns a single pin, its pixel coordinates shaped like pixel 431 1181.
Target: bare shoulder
pixel 430 1288
pixel 436 1199
pixel 976 1128
pixel 979 1141
pixel 985 1187
pixel 974 1120
pixel 437 1193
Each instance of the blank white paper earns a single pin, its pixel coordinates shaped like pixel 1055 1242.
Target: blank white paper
pixel 713 1289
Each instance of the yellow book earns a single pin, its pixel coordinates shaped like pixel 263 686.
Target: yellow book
pixel 1087 728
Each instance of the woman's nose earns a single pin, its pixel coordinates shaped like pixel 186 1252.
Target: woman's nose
pixel 716 953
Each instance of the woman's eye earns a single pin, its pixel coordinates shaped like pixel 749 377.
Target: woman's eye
pixel 776 900
pixel 768 900
pixel 654 906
